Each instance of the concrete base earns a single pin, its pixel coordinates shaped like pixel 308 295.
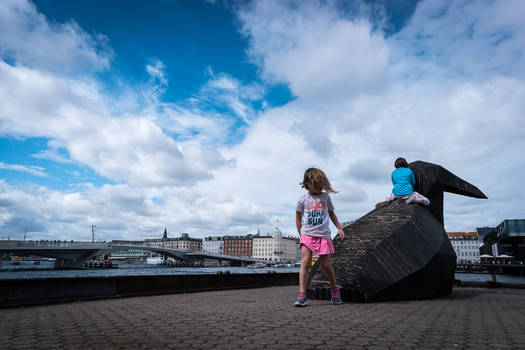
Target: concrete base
pixel 51 290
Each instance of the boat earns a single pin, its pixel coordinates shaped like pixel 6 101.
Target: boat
pixel 154 261
pixel 257 265
pixel 16 260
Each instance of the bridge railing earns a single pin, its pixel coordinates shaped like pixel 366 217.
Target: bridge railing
pixel 51 244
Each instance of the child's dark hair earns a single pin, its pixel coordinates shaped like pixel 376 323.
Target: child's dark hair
pixel 401 163
pixel 314 177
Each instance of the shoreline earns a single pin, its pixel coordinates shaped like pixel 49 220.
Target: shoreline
pixel 38 291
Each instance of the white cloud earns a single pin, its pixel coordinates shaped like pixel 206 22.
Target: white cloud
pixel 33 170
pixel 156 71
pixel 120 212
pixel 448 88
pixel 416 94
pixel 312 48
pixel 130 149
pixel 160 146
pixel 54 152
pixel 466 38
pixel 224 90
pixel 28 38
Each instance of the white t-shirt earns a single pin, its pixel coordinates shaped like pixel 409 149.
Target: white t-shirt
pixel 315 221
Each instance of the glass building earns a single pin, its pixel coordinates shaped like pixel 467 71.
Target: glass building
pixel 511 228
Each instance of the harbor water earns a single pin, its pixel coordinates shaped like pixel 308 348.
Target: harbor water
pixel 27 270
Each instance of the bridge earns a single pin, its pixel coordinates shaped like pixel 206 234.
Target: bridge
pixel 76 254
pixel 188 256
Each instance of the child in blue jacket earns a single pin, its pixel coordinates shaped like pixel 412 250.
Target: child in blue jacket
pixel 403 180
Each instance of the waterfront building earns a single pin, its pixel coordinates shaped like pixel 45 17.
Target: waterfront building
pixel 484 231
pixel 238 245
pixel 507 239
pixel 276 248
pixel 131 255
pixel 466 245
pixel 184 242
pixel 213 244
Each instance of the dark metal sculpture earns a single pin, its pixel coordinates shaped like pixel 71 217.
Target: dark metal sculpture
pixel 398 251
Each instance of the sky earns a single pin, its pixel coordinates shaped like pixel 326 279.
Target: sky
pixel 202 116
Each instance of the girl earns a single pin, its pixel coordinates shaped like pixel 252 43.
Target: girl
pixel 404 181
pixel 311 219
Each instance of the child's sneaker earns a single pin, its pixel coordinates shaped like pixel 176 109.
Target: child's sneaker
pixel 411 198
pixel 301 300
pixel 336 296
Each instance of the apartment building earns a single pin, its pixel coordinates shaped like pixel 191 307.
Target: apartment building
pixel 466 245
pixel 238 245
pixel 184 242
pixel 213 244
pixel 276 248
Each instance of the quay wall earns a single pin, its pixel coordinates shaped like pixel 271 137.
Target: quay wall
pixel 51 290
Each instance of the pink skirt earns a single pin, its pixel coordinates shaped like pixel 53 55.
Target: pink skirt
pixel 318 245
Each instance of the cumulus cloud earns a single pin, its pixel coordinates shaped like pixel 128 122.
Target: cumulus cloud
pixel 126 149
pixel 160 146
pixel 444 89
pixel 120 212
pixel 448 88
pixel 466 38
pixel 312 48
pixel 28 38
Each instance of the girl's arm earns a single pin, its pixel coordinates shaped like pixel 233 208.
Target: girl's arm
pixel 298 224
pixel 334 219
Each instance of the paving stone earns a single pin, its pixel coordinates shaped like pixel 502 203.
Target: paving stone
pixel 469 318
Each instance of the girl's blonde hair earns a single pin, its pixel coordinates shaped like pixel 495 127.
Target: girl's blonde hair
pixel 314 177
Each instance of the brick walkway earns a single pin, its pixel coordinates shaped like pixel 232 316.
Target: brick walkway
pixel 264 318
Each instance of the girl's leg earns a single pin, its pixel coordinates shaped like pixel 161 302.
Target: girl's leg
pixel 418 198
pixel 422 199
pixel 306 262
pixel 327 267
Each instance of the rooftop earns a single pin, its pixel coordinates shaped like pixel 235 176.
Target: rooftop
pixel 462 234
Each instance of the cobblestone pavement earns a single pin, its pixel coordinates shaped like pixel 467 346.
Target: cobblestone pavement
pixel 471 318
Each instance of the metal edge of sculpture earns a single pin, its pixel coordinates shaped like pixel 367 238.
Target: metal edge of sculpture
pixel 397 251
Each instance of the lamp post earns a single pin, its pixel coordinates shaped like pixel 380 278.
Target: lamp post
pixel 93 229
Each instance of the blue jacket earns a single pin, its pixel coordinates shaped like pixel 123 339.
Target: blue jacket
pixel 403 180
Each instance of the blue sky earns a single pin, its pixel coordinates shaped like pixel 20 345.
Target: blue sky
pixel 201 116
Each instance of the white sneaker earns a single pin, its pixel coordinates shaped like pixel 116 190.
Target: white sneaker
pixel 410 199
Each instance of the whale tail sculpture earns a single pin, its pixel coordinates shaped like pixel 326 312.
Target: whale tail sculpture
pixel 398 251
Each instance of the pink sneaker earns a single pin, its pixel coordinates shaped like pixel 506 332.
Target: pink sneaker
pixel 301 300
pixel 335 296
